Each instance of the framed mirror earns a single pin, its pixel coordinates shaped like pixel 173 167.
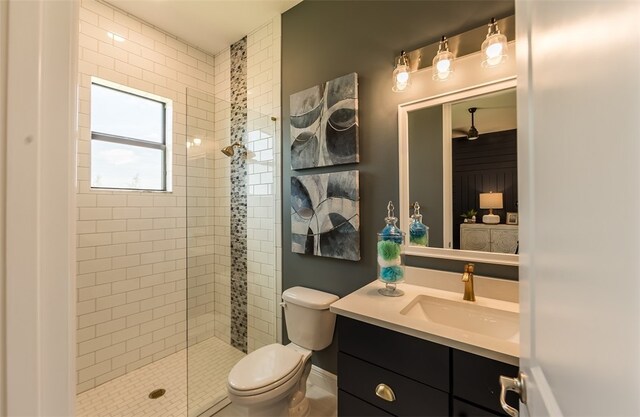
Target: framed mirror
pixel 458 161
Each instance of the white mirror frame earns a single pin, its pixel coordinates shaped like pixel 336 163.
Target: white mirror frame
pixel 403 137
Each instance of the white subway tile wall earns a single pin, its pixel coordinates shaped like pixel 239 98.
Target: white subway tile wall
pixel 200 211
pixel 263 84
pixel 132 245
pixel 263 144
pixel 132 260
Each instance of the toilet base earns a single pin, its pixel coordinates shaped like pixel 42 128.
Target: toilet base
pixel 299 403
pixel 276 409
pixel 293 404
pixel 300 410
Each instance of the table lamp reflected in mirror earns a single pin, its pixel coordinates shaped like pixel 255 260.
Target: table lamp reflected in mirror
pixel 491 201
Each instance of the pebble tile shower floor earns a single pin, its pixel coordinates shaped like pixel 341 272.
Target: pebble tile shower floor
pixel 128 396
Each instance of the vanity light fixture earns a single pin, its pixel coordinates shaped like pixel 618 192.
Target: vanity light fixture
pixel 443 61
pixel 491 201
pixel 494 47
pixel 401 75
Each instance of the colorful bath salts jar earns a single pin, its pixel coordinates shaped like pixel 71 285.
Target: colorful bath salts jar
pixel 389 251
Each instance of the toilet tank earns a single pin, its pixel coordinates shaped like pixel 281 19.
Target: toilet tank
pixel 309 322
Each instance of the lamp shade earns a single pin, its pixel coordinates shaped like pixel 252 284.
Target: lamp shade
pixel 490 200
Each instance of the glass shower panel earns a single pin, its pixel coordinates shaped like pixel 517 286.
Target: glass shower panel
pixel 230 243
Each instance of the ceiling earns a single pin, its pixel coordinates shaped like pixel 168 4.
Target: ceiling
pixel 496 112
pixel 211 25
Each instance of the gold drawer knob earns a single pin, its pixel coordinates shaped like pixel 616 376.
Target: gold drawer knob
pixel 385 392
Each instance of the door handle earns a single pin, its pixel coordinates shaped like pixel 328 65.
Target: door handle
pixel 516 385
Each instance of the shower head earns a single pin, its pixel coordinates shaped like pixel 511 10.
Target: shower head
pixel 228 150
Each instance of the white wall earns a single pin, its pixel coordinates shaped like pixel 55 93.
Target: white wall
pixel 41 120
pixel 3 172
pixel 579 171
pixel 131 244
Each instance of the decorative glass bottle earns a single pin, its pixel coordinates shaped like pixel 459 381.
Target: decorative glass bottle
pixel 390 262
pixel 418 231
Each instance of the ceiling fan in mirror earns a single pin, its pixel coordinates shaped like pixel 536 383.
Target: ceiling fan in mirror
pixel 472 133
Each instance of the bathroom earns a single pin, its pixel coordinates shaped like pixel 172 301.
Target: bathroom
pixel 578 293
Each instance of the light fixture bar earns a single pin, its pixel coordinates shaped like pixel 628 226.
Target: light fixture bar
pixel 463 44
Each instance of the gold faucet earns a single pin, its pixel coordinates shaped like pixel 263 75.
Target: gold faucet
pixel 467 278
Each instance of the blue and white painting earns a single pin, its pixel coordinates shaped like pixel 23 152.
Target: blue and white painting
pixel 325 215
pixel 324 124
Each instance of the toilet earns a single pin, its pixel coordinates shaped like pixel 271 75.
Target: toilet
pixel 272 380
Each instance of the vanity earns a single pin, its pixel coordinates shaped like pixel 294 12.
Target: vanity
pixel 426 353
pixel 429 352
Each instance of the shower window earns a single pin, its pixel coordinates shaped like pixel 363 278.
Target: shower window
pixel 130 138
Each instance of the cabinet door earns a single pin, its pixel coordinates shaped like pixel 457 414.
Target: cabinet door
pixel 464 409
pixel 411 398
pixel 350 406
pixel 475 239
pixel 504 241
pixel 477 379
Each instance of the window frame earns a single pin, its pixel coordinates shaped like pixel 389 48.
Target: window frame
pixel 166 146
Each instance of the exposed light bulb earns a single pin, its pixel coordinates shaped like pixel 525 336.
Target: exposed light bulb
pixel 402 74
pixel 402 77
pixel 443 61
pixel 494 46
pixel 494 51
pixel 443 66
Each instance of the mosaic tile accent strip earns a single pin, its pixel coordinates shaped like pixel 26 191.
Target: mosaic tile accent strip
pixel 239 195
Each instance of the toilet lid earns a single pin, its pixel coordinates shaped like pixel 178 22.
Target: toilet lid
pixel 265 366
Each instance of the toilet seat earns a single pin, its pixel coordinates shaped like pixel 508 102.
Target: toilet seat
pixel 265 370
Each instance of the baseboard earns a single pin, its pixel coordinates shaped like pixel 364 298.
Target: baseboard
pixel 324 379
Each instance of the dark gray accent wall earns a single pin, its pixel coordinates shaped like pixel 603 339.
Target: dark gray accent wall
pixel 425 170
pixel 322 40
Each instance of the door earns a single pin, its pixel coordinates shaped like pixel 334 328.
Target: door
pixel 579 132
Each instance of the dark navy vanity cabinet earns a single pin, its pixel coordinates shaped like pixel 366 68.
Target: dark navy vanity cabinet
pixel 386 373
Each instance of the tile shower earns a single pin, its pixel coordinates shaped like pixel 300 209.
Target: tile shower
pixel 162 297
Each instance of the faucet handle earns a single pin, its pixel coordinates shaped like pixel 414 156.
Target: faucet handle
pixel 469 268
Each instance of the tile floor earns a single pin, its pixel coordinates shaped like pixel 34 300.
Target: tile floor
pixel 127 396
pixel 209 364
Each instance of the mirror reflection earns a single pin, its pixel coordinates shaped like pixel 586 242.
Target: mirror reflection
pixel 463 173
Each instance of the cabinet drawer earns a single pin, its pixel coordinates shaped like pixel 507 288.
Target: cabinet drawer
pixel 477 380
pixel 463 409
pixel 360 378
pixel 415 358
pixel 350 406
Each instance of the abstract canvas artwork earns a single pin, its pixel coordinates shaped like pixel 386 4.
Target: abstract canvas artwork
pixel 324 124
pixel 325 215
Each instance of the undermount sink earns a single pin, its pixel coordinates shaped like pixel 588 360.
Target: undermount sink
pixel 466 316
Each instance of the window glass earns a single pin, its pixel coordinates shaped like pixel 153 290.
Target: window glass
pixel 119 113
pixel 116 165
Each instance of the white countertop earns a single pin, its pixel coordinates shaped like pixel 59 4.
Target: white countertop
pixel 367 305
